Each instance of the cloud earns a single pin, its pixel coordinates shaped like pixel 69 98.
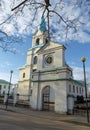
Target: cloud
pixel 5 64
pixel 23 24
pixel 78 74
pixel 6 76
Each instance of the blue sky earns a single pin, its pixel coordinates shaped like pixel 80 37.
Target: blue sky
pixel 10 61
pixel 77 50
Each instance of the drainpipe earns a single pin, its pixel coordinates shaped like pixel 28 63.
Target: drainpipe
pixel 38 90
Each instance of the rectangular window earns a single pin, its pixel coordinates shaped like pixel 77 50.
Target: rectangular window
pixel 69 88
pixel 4 86
pixel 77 89
pixel 73 89
pixel 80 90
pixel 34 70
pixel 0 87
pixel 23 75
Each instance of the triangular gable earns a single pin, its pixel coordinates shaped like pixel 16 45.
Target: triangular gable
pixel 50 45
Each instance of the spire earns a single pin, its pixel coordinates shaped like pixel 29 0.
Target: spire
pixel 43 24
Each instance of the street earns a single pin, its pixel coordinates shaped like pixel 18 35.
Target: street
pixel 36 121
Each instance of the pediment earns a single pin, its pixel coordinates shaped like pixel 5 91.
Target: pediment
pixel 50 46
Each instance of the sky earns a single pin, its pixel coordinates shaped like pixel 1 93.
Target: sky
pixel 10 61
pixel 19 24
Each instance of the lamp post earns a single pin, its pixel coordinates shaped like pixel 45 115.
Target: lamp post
pixel 11 72
pixel 83 59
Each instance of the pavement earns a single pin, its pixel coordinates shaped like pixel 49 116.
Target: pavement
pixel 74 119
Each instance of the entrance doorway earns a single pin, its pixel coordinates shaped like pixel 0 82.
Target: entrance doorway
pixel 48 99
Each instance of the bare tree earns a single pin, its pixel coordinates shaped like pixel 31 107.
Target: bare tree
pixel 69 23
pixel 65 19
pixel 7 43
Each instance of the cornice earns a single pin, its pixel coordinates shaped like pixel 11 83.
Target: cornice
pixel 58 79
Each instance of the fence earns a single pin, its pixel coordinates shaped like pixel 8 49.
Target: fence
pixel 23 100
pixel 81 112
pixel 81 108
pixel 15 100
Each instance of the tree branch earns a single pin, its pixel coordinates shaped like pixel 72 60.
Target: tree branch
pixel 63 19
pixel 19 5
pixel 6 19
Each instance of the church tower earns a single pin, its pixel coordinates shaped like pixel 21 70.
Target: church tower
pixel 46 80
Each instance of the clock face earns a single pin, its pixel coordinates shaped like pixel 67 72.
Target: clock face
pixel 48 59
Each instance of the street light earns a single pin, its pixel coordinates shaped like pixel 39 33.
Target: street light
pixel 11 72
pixel 83 59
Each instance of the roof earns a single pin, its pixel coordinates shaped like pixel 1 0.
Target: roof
pixel 50 45
pixel 43 25
pixel 77 81
pixel 4 81
pixel 36 46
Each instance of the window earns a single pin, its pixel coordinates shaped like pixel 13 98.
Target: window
pixel 0 87
pixel 34 70
pixel 23 75
pixel 80 90
pixel 35 60
pixel 3 93
pixel 48 59
pixel 37 41
pixel 77 89
pixel 73 88
pixel 71 73
pixel 69 88
pixel 46 41
pixel 4 86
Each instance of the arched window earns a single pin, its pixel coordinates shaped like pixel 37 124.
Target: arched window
pixel 37 41
pixel 35 60
pixel 46 41
pixel 23 75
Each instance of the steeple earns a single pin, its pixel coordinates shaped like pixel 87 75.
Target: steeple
pixel 43 24
pixel 41 35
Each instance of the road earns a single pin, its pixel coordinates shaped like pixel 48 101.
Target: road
pixel 24 121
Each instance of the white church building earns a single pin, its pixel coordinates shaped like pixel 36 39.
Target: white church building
pixel 47 78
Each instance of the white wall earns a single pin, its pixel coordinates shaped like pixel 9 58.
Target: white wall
pixel 60 95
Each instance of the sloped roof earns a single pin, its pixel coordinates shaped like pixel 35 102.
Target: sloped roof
pixel 3 81
pixel 36 46
pixel 51 45
pixel 77 81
